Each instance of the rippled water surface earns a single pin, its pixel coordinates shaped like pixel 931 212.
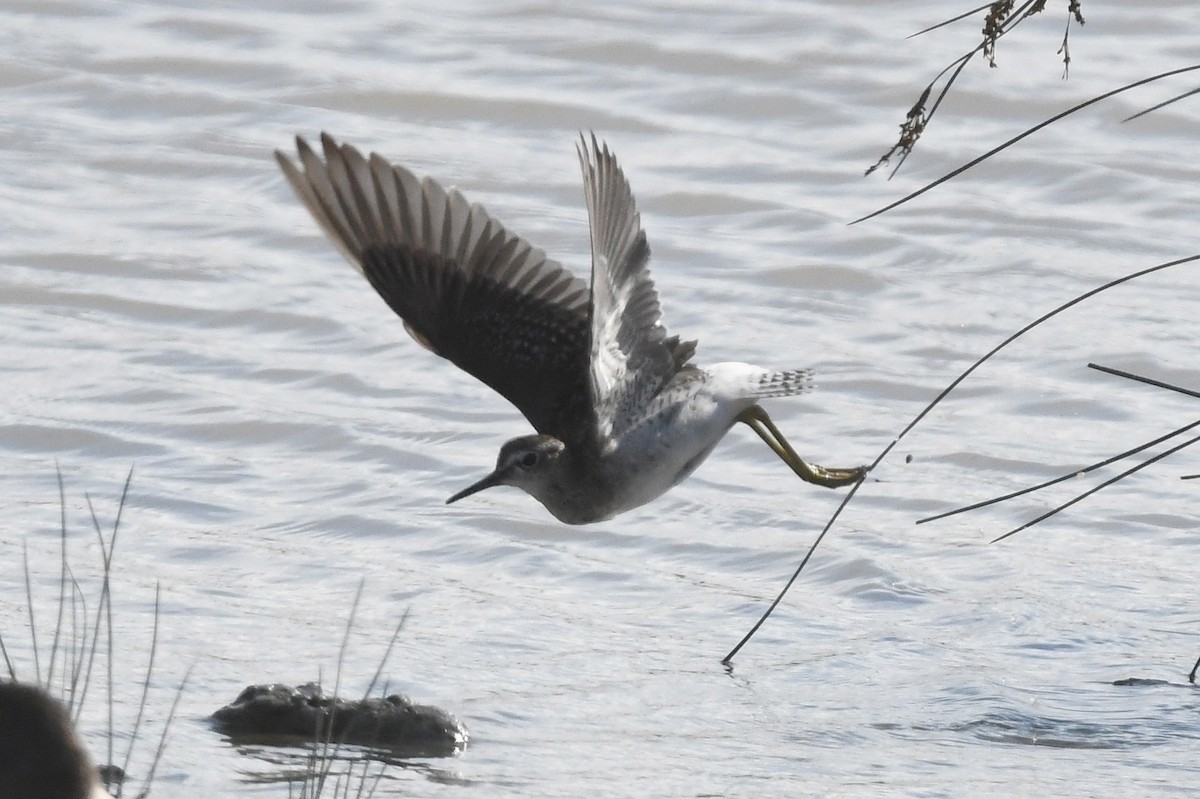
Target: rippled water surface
pixel 168 305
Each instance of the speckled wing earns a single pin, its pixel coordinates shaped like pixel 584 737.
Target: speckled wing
pixel 466 288
pixel 632 357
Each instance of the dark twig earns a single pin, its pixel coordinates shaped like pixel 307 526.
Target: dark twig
pixel 387 654
pixel 950 21
pixel 1000 20
pixel 1093 490
pixel 79 642
pixel 1131 376
pixel 1064 477
pixel 804 562
pixel 37 668
pixel 162 741
pixel 62 574
pixel 1150 381
pixel 137 722
pixel 329 749
pixel 925 412
pixel 72 675
pixel 1163 104
pixel 976 161
pixel 326 749
pixel 1140 448
pixel 12 674
pixel 1074 14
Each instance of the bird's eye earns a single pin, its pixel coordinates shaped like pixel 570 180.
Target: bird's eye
pixel 529 460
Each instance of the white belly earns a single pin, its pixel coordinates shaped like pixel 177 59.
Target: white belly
pixel 668 446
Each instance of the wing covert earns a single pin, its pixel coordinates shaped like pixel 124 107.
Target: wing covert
pixel 631 356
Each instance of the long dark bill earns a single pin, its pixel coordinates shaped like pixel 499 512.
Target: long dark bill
pixel 494 479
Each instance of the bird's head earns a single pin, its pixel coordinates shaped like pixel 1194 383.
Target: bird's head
pixel 530 463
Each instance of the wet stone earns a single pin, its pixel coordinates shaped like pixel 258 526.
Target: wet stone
pixel 280 714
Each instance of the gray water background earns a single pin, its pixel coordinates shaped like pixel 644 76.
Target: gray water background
pixel 168 305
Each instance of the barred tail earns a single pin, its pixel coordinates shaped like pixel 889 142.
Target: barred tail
pixel 784 384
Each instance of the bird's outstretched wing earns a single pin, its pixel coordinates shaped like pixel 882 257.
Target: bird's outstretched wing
pixel 466 288
pixel 632 357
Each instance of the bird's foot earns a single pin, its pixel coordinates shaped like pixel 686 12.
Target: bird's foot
pixel 832 478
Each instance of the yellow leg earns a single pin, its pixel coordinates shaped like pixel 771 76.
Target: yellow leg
pixel 759 422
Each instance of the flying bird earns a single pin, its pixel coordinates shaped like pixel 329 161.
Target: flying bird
pixel 622 413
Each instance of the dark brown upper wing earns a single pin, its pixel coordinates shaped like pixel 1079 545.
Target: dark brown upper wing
pixel 466 288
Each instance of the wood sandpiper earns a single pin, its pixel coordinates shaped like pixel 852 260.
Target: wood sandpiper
pixel 621 412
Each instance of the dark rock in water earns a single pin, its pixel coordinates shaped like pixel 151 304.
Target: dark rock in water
pixel 268 713
pixel 1145 682
pixel 112 776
